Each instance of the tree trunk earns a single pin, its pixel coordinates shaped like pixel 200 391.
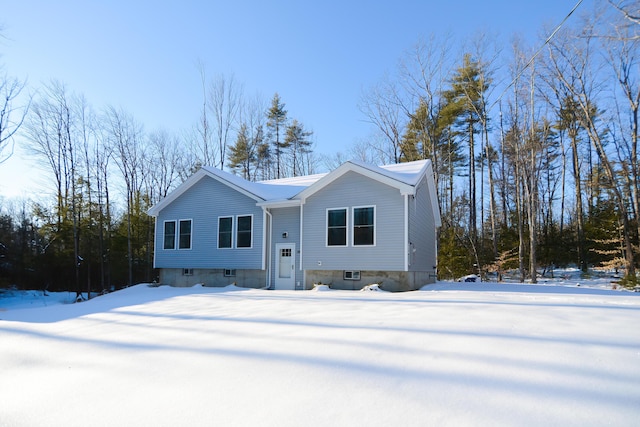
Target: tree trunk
pixel 579 209
pixel 492 199
pixel 473 227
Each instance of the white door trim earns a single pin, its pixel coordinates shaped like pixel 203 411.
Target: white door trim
pixel 285 280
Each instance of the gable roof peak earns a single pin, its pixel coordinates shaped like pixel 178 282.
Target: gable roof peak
pixel 404 176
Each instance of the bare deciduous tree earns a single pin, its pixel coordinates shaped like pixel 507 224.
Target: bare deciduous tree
pixel 622 55
pixel 125 135
pixel 630 10
pixel 11 115
pixel 225 97
pixel 579 80
pixel 382 108
pixel 166 164
pixel 53 131
pixel 201 139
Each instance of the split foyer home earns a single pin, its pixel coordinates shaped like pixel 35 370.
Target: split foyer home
pixel 356 225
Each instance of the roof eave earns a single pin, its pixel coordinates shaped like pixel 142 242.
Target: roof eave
pixel 154 211
pixel 428 173
pixel 288 203
pixel 349 166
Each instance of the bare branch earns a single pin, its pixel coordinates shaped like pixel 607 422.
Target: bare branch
pixel 11 116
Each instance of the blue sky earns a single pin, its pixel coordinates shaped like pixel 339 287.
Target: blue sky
pixel 319 56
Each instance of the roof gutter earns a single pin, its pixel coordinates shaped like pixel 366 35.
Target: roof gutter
pixel 286 203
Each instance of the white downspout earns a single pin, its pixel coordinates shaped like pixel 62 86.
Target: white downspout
pixel 267 241
pixel 301 245
pixel 155 235
pixel 264 239
pixel 301 239
pixel 406 232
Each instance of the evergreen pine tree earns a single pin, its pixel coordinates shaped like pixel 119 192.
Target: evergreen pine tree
pixel 428 135
pixel 276 120
pixel 464 104
pixel 297 139
pixel 416 144
pixel 263 161
pixel 242 154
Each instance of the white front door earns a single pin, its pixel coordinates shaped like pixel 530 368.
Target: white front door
pixel 285 266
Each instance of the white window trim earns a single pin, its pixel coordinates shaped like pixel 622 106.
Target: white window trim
pixel 175 234
pixel 375 228
pixel 236 231
pixel 326 227
pixel 178 235
pixel 232 232
pixel 355 275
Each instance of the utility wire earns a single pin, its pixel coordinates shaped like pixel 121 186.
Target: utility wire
pixel 546 42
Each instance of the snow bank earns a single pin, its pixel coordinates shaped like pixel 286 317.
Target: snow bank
pixel 375 287
pixel 454 354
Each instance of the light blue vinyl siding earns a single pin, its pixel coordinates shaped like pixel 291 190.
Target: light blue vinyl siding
pixel 203 204
pixel 349 191
pixel 422 230
pixel 286 220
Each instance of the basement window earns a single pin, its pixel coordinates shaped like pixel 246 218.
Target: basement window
pixel 187 271
pixel 228 272
pixel 351 275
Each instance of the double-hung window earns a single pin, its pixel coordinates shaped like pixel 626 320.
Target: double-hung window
pixel 169 235
pixel 364 226
pixel 184 241
pixel 337 227
pixel 243 231
pixel 225 232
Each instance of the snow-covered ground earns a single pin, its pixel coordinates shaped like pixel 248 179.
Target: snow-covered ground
pixel 452 354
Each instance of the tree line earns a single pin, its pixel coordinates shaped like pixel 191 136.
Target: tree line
pixel 535 152
pixel 106 171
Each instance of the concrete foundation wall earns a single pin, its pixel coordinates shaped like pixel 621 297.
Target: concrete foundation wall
pixel 212 277
pixel 394 281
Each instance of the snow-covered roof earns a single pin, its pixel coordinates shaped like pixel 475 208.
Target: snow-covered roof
pixel 298 181
pixel 404 176
pixel 409 172
pixel 263 190
pixel 293 190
